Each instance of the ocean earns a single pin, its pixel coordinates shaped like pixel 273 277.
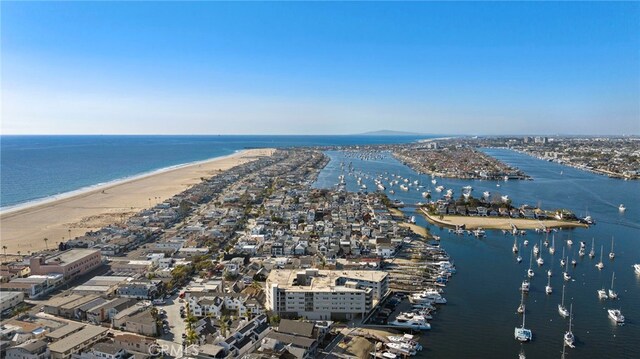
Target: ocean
pixel 35 168
pixel 479 319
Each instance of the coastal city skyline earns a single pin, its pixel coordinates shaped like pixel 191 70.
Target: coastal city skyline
pixel 320 68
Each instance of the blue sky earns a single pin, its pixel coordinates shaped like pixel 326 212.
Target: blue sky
pixel 320 68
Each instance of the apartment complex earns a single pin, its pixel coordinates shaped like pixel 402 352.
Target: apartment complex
pixel 324 294
pixel 70 263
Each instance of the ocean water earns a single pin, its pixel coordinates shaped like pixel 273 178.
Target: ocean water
pixel 479 319
pixel 38 167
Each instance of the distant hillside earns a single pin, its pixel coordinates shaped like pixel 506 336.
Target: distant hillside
pixel 389 133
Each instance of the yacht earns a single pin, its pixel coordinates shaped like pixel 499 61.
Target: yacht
pixel 602 294
pixel 612 293
pixel 622 208
pixel 413 323
pixel 548 289
pixel 612 254
pixel 616 315
pixel 600 264
pixel 401 348
pixel 523 334
pixel 562 310
pixel 569 338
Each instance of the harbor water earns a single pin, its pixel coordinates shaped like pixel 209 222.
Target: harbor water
pixel 479 319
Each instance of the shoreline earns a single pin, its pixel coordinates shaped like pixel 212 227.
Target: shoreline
pixel 23 229
pixel 103 185
pixel 450 221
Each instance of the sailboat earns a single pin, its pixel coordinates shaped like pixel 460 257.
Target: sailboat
pixel 515 245
pixel 602 294
pixel 562 310
pixel 592 253
pixel 523 334
pixel 540 261
pixel 600 264
pixel 552 249
pixel 566 274
pixel 548 288
pixel 530 271
pixel 562 261
pixel 569 338
pixel 522 355
pixel 612 254
pixel 612 293
pixel 521 306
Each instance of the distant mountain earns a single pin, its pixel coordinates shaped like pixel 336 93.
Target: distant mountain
pixel 389 133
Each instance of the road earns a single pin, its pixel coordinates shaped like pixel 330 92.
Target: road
pixel 177 325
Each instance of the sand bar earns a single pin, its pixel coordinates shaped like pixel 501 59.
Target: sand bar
pixel 24 229
pixel 499 222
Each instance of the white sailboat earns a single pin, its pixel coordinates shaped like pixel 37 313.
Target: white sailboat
pixel 562 310
pixel 612 293
pixel 521 307
pixel 548 288
pixel 569 338
pixel 612 255
pixel 515 245
pixel 519 257
pixel 530 272
pixel 562 261
pixel 600 264
pixel 552 249
pixel 592 253
pixel 566 274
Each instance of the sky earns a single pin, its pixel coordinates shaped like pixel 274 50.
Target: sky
pixel 320 68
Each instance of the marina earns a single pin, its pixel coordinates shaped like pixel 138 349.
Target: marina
pixel 470 303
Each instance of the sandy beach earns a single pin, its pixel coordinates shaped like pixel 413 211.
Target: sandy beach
pixel 24 229
pixel 498 222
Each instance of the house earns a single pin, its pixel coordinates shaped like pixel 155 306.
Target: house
pixel 141 322
pixel 106 311
pixel 385 250
pixel 139 289
pixel 9 300
pixel 135 343
pixel 31 349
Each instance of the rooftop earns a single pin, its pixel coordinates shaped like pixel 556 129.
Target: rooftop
pixel 65 344
pixel 70 256
pixel 324 280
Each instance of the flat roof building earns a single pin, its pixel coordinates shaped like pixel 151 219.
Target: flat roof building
pixel 70 263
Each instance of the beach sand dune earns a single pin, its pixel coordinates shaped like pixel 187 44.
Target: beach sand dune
pixel 24 229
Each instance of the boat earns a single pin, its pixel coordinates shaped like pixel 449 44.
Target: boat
pixel 486 194
pixel 505 198
pixel 392 192
pixel 574 262
pixel 612 255
pixel 536 249
pixel 548 289
pixel 388 355
pixel 549 273
pixel 562 310
pixel 523 334
pixel 569 338
pixel 515 245
pixel 404 187
pixel 566 274
pixel 622 208
pixel 434 181
pixel 562 261
pixel 521 307
pixel 526 242
pixel 600 264
pixel 636 267
pixel 524 287
pixel 592 253
pixel 552 249
pixel 540 261
pixel 616 315
pixel 612 293
pixel 401 348
pixel 602 294
pixel 426 194
pixel 413 323
pixel 530 272
pixel 439 188
pixel 519 258
pixel 522 355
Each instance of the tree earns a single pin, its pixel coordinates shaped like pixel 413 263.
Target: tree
pixel 4 248
pixel 45 243
pixel 224 326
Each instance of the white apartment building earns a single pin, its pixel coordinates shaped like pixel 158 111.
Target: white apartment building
pixel 324 294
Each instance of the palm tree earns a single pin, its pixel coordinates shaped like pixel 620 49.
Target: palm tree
pixel 4 248
pixel 45 243
pixel 224 326
pixel 19 253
